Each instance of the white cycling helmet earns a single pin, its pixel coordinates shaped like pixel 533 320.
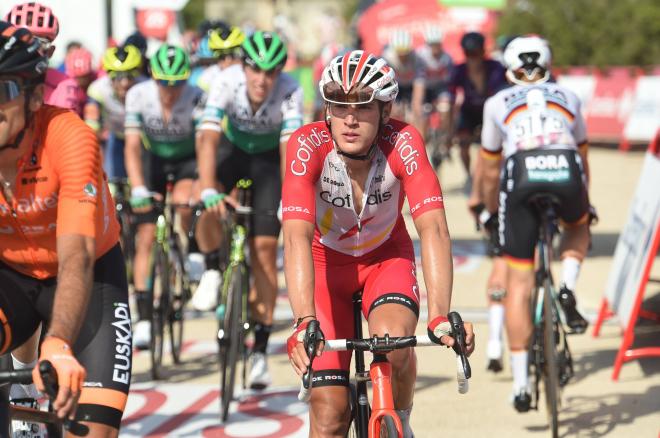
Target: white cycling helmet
pixel 358 77
pixel 527 54
pixel 433 34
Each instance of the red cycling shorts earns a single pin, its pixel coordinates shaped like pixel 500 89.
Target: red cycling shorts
pixel 385 275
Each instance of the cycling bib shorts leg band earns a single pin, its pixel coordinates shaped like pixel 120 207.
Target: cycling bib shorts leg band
pixel 155 171
pixel 557 172
pixel 263 169
pixel 104 345
pixel 385 277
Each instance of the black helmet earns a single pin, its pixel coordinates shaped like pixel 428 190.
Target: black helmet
pixel 208 25
pixel 138 40
pixel 472 42
pixel 21 54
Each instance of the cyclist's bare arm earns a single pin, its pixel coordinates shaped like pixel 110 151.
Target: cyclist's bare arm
pixel 438 269
pixel 490 173
pixel 583 150
pixel 283 159
pixel 417 104
pixel 92 116
pixel 299 273
pixel 206 148
pixel 76 255
pixel 133 159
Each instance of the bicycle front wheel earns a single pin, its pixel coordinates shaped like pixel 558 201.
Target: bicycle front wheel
pixel 159 294
pixel 180 295
pixel 388 427
pixel 551 374
pixel 232 338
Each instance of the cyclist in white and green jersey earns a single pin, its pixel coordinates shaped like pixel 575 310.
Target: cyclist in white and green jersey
pixel 251 111
pixel 106 98
pixel 160 132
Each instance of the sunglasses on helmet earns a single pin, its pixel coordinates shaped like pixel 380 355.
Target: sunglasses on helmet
pixel 333 92
pixel 9 90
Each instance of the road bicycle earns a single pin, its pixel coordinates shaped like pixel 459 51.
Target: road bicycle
pixel 121 193
pixel 549 356
pixel 10 412
pixel 168 287
pixel 232 311
pixel 379 420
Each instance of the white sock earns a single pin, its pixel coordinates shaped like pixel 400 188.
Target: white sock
pixel 570 269
pixel 519 370
pixel 495 321
pixel 23 391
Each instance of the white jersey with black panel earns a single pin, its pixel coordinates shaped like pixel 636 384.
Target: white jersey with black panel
pixel 527 117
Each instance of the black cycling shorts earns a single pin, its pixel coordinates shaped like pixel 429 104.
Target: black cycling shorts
pixel 104 344
pixel 263 169
pixel 470 120
pixel 557 172
pixel 155 170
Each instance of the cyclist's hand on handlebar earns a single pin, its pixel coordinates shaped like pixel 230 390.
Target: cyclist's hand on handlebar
pixel 70 375
pixel 439 331
pixel 215 202
pixel 295 346
pixel 141 199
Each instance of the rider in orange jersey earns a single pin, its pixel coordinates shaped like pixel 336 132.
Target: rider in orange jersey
pixel 60 262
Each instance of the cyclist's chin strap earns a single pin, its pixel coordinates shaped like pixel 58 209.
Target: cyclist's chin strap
pixel 360 157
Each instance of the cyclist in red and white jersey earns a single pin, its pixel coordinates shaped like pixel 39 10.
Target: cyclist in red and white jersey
pixel 345 185
pixel 61 90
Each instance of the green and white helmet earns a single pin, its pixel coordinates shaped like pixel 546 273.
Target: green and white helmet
pixel 264 50
pixel 170 63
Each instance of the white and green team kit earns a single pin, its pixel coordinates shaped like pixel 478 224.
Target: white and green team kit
pixel 171 140
pixel 273 122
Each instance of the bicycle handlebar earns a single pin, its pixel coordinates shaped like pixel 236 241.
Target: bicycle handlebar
pixel 386 344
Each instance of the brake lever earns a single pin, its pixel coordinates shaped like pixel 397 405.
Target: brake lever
pixel 49 378
pixel 459 335
pixel 311 344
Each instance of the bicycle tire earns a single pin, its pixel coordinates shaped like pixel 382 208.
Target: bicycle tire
pixel 159 297
pixel 233 332
pixel 179 296
pixel 551 374
pixel 352 425
pixel 388 427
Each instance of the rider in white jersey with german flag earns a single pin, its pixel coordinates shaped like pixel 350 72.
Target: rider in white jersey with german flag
pixel 538 128
pixel 251 111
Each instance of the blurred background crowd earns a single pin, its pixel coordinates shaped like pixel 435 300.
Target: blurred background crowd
pixel 614 67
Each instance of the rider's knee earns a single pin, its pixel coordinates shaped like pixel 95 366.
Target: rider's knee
pixel 330 411
pixel 402 359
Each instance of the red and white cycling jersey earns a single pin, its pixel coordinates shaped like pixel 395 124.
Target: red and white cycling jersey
pixel 317 188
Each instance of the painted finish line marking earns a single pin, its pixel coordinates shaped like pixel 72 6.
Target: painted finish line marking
pixel 169 410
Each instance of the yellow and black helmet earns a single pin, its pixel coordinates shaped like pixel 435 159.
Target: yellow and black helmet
pixel 226 40
pixel 122 59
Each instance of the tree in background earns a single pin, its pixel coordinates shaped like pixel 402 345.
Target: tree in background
pixel 193 13
pixel 590 32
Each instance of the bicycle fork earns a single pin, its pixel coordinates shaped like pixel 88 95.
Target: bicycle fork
pixel 383 401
